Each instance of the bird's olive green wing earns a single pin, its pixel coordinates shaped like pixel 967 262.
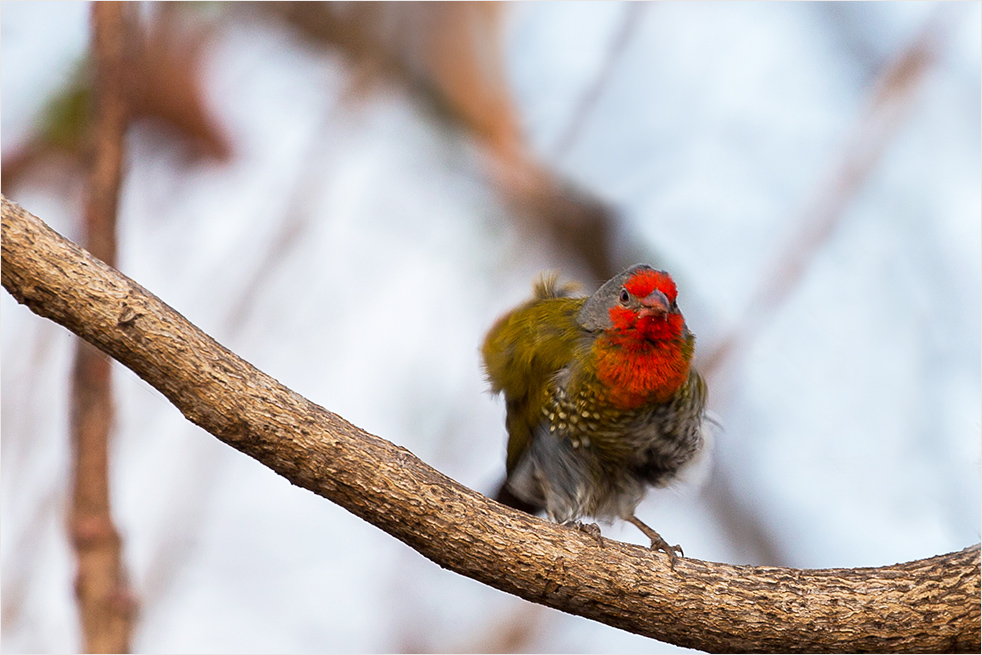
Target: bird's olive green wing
pixel 523 351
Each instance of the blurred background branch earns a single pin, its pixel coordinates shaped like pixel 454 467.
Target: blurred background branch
pixel 451 55
pixel 633 12
pixel 164 66
pixel 889 103
pixel 106 605
pixel 890 99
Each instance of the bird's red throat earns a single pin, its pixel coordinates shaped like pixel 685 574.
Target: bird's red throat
pixel 644 357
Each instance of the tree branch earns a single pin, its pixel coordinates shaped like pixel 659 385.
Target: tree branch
pixel 927 605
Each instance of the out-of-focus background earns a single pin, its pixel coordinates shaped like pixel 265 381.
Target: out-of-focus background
pixel 348 195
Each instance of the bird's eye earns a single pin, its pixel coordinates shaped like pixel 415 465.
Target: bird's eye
pixel 625 296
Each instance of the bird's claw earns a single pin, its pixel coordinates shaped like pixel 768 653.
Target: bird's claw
pixel 657 543
pixel 673 552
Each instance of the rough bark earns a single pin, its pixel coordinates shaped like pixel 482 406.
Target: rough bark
pixel 929 605
pixel 105 604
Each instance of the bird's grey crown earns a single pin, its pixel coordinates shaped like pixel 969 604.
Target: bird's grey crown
pixel 595 315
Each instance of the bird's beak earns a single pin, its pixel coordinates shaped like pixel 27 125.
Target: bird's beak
pixel 655 303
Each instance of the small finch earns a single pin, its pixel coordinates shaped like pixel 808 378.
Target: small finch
pixel 601 399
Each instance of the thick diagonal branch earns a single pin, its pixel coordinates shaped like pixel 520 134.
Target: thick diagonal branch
pixel 927 605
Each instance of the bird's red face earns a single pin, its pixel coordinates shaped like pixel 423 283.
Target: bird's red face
pixel 644 352
pixel 646 310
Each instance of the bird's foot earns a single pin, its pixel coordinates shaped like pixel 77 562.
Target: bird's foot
pixel 591 529
pixel 657 543
pixel 673 552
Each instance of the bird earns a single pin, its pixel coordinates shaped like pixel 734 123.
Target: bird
pixel 601 398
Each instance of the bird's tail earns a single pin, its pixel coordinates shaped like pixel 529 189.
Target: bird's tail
pixel 506 497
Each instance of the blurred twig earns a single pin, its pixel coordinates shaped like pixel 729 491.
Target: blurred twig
pixel 105 603
pixel 29 554
pixel 626 30
pixel 17 454
pixel 296 219
pixel 515 633
pixel 450 54
pixel 165 88
pixel 890 101
pixel 169 88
